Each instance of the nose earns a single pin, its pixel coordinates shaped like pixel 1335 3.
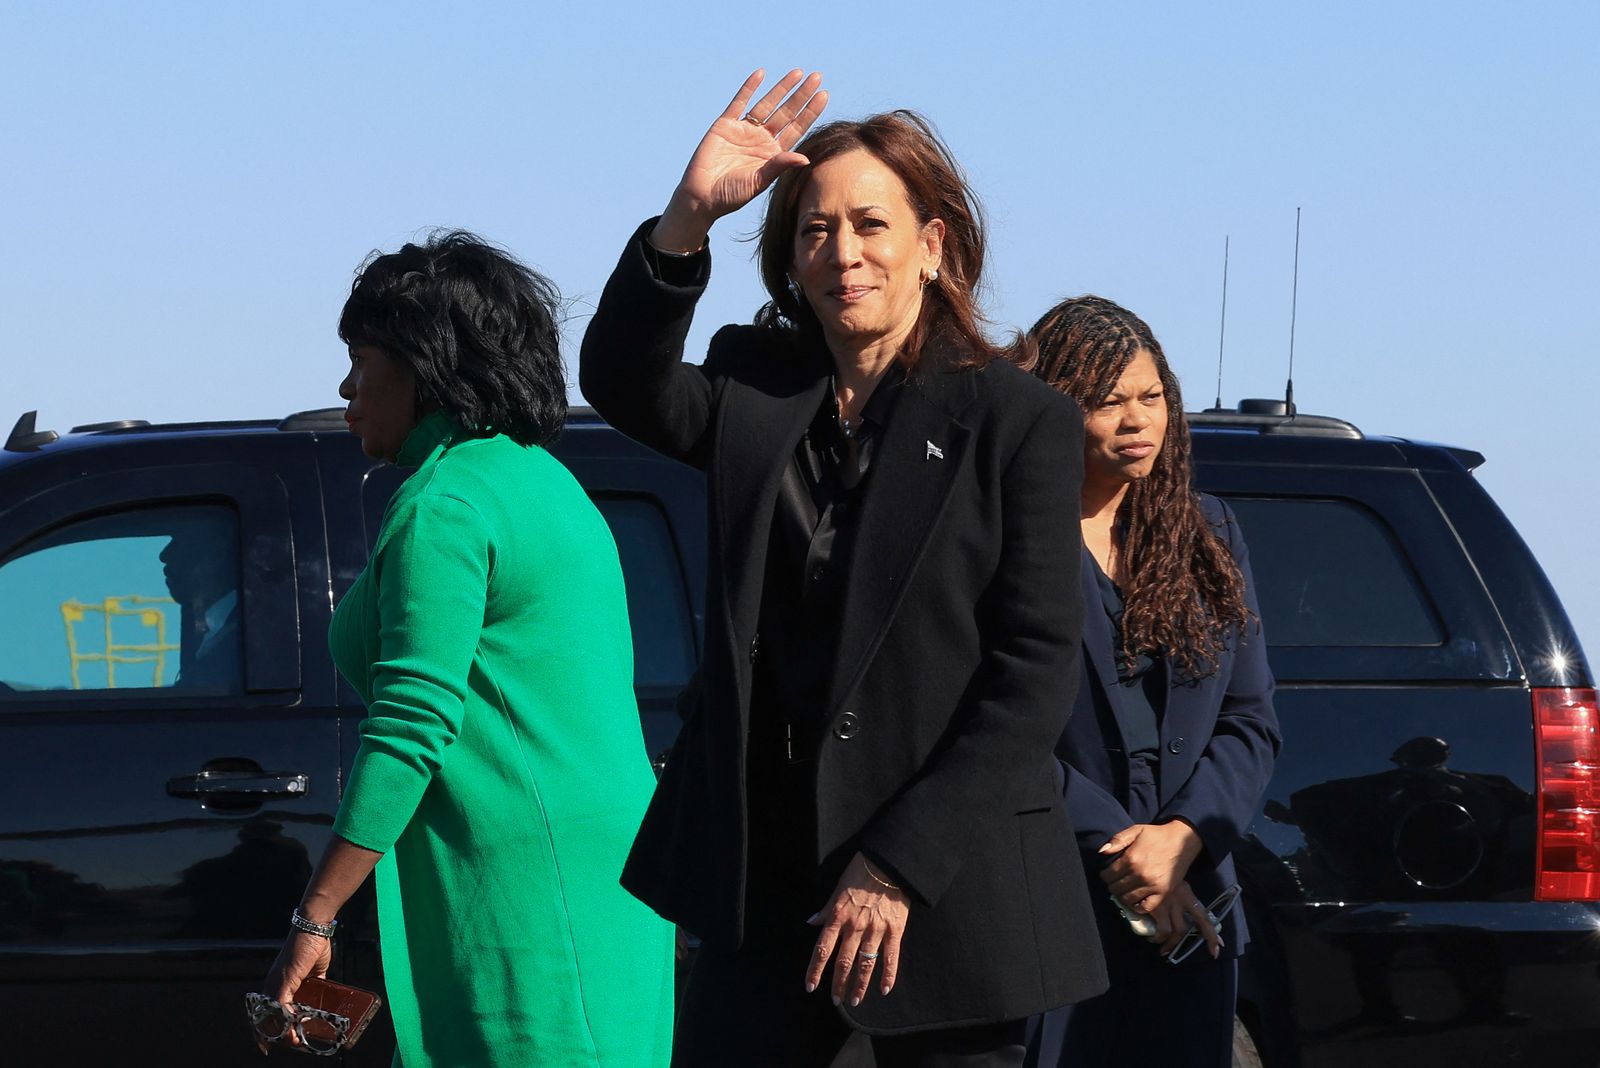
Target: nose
pixel 846 249
pixel 347 387
pixel 1136 417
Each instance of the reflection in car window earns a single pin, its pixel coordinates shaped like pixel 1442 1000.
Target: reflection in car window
pixel 1330 572
pixel 139 599
pixel 663 635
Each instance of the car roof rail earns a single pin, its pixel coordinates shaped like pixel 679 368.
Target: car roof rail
pixel 314 419
pixel 25 438
pixel 1274 417
pixel 110 424
pixel 333 418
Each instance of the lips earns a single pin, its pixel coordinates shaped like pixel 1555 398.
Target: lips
pixel 1135 450
pixel 849 294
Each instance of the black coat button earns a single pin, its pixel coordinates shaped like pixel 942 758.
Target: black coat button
pixel 1176 745
pixel 847 727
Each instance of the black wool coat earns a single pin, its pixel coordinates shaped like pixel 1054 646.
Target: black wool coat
pixel 958 662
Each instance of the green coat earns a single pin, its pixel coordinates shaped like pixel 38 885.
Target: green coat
pixel 502 770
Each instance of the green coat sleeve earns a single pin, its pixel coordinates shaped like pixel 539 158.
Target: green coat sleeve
pixel 432 571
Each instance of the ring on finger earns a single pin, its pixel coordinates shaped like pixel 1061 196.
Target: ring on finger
pixel 867 957
pixel 750 117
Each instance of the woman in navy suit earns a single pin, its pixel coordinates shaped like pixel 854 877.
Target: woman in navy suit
pixel 1173 736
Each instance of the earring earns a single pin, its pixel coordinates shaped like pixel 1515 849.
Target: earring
pixel 931 276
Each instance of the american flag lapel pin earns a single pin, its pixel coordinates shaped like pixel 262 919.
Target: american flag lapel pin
pixel 934 452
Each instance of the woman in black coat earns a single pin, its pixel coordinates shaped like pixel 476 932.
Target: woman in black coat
pixel 861 817
pixel 1173 738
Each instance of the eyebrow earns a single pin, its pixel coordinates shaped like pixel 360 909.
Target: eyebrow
pixel 851 211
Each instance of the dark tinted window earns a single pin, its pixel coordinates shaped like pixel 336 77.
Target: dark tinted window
pixel 135 600
pixel 663 634
pixel 1330 572
pixel 658 606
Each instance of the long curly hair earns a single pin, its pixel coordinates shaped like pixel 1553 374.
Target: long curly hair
pixel 1184 594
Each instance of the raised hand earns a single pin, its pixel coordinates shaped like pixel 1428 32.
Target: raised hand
pixel 744 152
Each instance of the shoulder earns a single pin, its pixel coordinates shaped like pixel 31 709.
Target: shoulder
pixel 484 476
pixel 1224 524
pixel 1001 396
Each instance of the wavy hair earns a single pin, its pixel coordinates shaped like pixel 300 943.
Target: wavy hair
pixel 1184 592
pixel 477 327
pixel 936 188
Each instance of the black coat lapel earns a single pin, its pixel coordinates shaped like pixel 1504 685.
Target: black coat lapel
pixel 761 428
pixel 914 468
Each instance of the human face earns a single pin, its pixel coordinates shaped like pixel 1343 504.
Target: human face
pixel 381 392
pixel 1122 438
pixel 860 256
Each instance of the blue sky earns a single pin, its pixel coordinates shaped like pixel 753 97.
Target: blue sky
pixel 189 186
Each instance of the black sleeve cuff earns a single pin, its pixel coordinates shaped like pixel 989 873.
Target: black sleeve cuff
pixel 680 270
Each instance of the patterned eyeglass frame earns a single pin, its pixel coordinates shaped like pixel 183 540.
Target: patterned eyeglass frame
pixel 260 1007
pixel 1193 939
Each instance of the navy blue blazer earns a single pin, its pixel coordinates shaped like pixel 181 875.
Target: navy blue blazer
pixel 1219 740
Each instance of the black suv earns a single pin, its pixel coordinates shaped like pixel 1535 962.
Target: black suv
pixel 1423 879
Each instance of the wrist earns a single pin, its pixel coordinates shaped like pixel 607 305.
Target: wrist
pixel 1190 841
pixel 682 229
pixel 300 922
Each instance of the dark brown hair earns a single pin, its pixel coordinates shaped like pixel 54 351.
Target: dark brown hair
pixel 904 142
pixel 1184 591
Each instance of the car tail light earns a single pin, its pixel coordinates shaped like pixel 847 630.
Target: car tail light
pixel 1567 732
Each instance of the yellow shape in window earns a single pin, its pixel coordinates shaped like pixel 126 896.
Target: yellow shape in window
pixel 149 614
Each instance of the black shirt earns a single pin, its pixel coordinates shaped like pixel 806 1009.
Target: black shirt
pixel 808 559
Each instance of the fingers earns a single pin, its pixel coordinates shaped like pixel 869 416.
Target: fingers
pixel 889 959
pixel 797 127
pixel 823 950
pixel 845 962
pixel 775 166
pixel 735 107
pixel 770 109
pixel 1208 931
pixel 781 114
pixel 1122 839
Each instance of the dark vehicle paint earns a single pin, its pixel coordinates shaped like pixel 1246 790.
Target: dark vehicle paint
pixel 133 920
pixel 1389 875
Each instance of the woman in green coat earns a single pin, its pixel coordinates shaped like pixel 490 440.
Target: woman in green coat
pixel 502 772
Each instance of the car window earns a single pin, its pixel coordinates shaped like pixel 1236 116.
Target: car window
pixel 134 600
pixel 658 603
pixel 658 607
pixel 1329 572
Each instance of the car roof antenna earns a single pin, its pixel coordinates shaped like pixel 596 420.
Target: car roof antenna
pixel 1222 331
pixel 1294 301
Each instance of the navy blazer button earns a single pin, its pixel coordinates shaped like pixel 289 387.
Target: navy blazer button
pixel 1176 745
pixel 847 727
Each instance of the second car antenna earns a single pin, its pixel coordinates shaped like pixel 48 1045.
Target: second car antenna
pixel 1222 331
pixel 1294 301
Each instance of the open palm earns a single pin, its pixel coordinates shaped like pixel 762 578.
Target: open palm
pixel 744 151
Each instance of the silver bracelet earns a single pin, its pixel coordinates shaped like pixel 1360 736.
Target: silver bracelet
pixel 322 930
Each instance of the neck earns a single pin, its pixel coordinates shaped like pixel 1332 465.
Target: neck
pixel 1101 500
pixel 860 364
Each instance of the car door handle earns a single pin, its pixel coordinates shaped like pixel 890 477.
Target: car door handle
pixel 240 784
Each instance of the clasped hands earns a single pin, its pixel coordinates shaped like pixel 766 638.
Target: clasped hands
pixel 1148 876
pixel 862 925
